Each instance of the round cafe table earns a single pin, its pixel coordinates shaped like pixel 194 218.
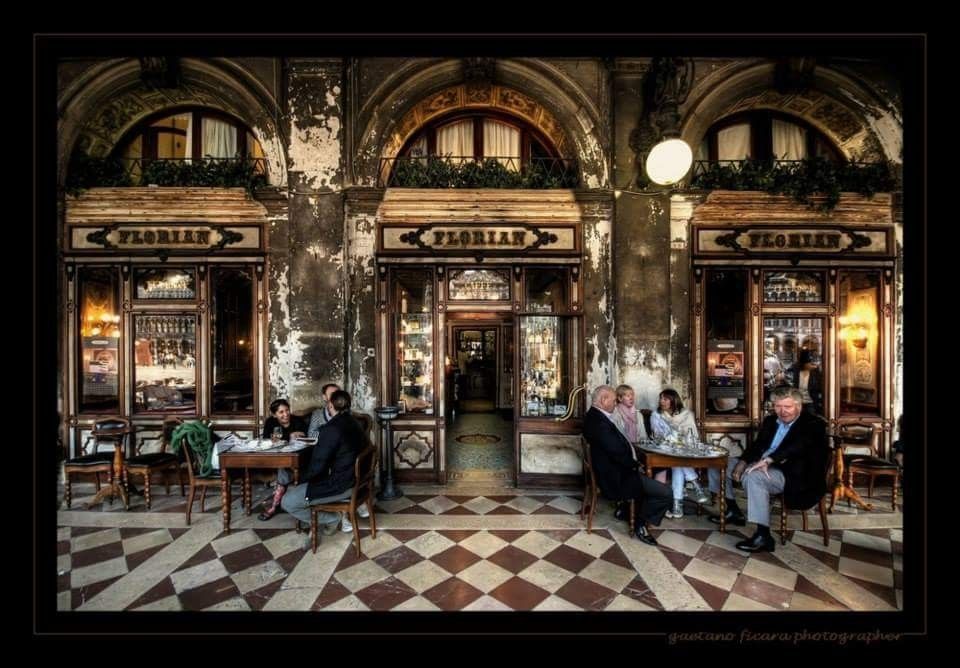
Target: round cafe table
pixel 705 456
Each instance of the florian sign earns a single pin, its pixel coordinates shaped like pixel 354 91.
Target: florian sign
pixel 509 238
pixel 164 239
pixel 780 240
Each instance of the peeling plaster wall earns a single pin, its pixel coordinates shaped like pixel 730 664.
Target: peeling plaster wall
pixel 316 111
pixel 307 259
pixel 646 330
pixel 599 341
pixel 362 368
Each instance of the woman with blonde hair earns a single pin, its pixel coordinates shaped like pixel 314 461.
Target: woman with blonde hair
pixel 671 421
pixel 626 416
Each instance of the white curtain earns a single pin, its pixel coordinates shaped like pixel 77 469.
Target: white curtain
pixel 219 139
pixel 733 143
pixel 188 142
pixel 456 140
pixel 502 141
pixel 789 141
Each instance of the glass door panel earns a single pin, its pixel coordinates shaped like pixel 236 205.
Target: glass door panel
pixel 793 356
pixel 165 363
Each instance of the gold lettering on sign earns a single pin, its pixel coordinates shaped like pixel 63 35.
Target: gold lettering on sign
pixel 164 237
pixel 793 240
pixel 478 238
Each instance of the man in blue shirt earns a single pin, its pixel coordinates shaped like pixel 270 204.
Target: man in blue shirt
pixel 788 456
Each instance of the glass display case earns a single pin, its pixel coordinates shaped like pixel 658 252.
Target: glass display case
pixel 165 363
pixel 725 320
pixel 859 338
pixel 100 326
pixel 545 289
pixel 544 379
pixel 415 360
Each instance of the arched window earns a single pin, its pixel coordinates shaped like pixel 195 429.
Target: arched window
pixel 189 134
pixel 765 135
pixel 478 136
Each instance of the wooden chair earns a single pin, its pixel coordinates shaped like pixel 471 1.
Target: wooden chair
pixel 821 506
pixel 867 462
pixel 364 468
pixel 591 491
pixel 152 462
pixel 196 481
pixel 93 462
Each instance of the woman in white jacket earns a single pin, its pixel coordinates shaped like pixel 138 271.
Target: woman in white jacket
pixel 672 422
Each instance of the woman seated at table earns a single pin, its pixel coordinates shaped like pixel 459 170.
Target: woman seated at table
pixel 626 416
pixel 290 426
pixel 672 422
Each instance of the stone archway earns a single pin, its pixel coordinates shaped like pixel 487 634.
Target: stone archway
pixel 852 117
pixel 110 98
pixel 536 91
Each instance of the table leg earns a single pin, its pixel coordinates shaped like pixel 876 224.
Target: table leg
pixel 843 489
pixel 225 495
pixel 247 492
pixel 115 488
pixel 722 503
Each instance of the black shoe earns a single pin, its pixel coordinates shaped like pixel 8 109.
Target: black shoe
pixel 757 543
pixel 622 511
pixel 644 535
pixel 730 517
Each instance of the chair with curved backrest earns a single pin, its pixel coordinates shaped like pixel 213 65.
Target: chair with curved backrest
pixel 591 491
pixel 861 456
pixel 362 493
pixel 821 506
pixel 93 462
pixel 366 422
pixel 196 480
pixel 146 464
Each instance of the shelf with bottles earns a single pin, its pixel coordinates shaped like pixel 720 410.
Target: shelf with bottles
pixel 415 362
pixel 542 390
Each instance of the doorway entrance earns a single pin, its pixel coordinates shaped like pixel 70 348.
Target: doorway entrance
pixel 479 436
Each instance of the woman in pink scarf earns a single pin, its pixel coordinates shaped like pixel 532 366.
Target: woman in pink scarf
pixel 626 416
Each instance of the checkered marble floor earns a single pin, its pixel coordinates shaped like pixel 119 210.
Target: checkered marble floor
pixel 439 549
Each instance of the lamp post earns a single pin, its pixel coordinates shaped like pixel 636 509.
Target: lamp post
pixel 387 490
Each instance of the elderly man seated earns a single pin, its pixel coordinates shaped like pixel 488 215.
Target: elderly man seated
pixel 788 456
pixel 616 468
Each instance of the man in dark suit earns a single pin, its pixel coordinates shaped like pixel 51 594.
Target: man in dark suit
pixel 789 455
pixel 616 468
pixel 330 473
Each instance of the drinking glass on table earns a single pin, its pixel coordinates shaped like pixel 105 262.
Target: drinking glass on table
pixel 277 435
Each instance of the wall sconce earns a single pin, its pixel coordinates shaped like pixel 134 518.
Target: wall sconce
pixel 669 83
pixel 855 330
pixel 106 324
